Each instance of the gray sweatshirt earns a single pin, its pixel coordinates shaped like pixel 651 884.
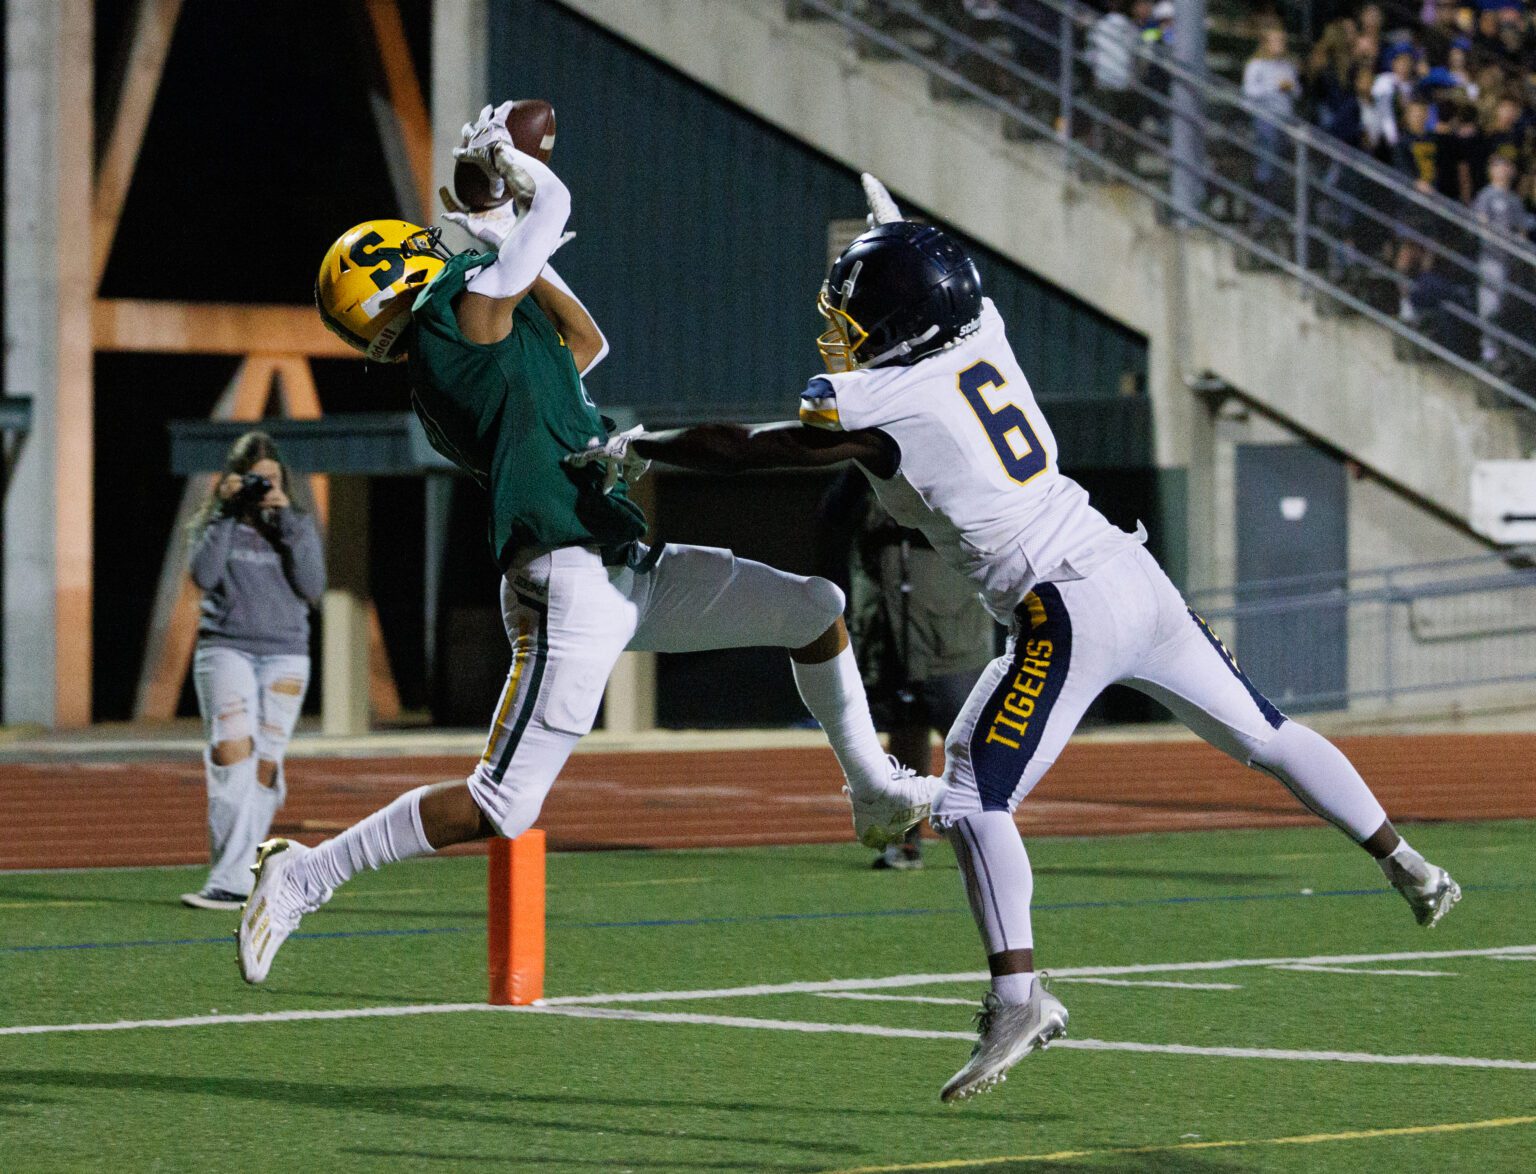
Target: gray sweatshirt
pixel 257 591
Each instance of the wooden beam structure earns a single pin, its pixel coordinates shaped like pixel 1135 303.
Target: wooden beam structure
pixel 213 328
pixel 405 96
pixel 50 133
pixel 154 22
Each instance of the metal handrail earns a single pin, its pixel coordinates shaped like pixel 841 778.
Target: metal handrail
pixel 1308 139
pixel 1513 558
pixel 1298 129
pixel 840 12
pixel 1394 593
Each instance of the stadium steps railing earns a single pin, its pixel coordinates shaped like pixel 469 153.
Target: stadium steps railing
pixel 1285 195
pixel 1451 631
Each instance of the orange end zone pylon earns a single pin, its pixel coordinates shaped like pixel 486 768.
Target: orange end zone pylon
pixel 515 916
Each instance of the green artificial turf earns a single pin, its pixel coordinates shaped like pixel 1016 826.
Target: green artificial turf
pixel 514 1090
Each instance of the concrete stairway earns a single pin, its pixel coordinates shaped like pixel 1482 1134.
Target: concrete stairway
pixel 1420 426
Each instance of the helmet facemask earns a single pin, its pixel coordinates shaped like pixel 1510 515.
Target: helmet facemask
pixel 843 337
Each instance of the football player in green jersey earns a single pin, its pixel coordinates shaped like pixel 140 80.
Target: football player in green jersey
pixel 497 345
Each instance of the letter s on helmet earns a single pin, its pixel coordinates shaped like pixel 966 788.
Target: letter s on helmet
pixel 370 277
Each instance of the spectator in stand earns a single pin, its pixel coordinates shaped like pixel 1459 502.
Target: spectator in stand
pixel 1112 44
pixel 1471 152
pixel 1441 288
pixel 1417 155
pixel 1392 90
pixel 1485 37
pixel 1373 129
pixel 1271 84
pixel 1441 22
pixel 1331 81
pixel 1499 208
pixel 1510 135
pixel 1459 64
pixel 1331 85
pixel 1368 45
pixel 1513 41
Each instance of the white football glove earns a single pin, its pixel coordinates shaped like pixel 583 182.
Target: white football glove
pixel 490 127
pixel 615 457
pixel 882 209
pixel 477 141
pixel 499 160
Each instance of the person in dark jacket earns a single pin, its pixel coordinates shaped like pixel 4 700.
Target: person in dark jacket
pixel 259 564
pixel 919 631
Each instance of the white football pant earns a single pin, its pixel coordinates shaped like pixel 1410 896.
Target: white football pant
pixel 569 617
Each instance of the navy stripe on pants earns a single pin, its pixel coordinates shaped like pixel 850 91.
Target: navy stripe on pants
pixel 1008 730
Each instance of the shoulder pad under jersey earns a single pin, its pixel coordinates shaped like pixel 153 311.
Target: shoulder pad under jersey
pixel 818 405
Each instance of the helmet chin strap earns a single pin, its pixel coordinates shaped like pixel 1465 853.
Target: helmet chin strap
pixel 902 348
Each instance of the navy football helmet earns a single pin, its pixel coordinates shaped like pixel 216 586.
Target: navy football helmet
pixel 895 295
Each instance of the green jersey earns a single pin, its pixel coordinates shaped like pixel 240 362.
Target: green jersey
pixel 506 413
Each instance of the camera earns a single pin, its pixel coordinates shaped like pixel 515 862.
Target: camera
pixel 253 487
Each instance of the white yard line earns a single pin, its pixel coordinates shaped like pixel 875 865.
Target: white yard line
pixel 1360 970
pixel 773 988
pixel 1178 986
pixel 869 996
pixel 1090 1045
pixel 581 1006
pixel 1078 972
pixel 256 1017
pixel 792 1025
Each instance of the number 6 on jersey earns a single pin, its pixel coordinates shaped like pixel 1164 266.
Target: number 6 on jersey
pixel 1001 421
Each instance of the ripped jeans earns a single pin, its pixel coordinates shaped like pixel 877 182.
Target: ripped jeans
pixel 242 695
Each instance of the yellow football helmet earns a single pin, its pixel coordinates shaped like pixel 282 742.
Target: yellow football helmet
pixel 369 279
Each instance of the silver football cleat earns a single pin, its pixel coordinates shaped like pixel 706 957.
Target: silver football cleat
pixel 1429 891
pixel 1007 1032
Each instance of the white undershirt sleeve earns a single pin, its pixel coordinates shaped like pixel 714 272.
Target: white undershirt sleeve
pixel 533 238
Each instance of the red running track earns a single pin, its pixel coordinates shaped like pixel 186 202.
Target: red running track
pixel 60 814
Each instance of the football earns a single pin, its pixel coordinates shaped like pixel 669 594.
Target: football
pixel 531 122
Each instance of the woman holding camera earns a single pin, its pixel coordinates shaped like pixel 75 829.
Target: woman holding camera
pixel 259 564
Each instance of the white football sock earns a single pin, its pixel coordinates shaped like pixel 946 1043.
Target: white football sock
pixel 237 821
pixel 1014 988
pixel 1404 866
pixel 392 833
pixel 998 880
pixel 834 693
pixel 1316 772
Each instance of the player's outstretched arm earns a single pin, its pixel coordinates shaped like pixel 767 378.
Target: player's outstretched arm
pixel 737 448
pixel 523 248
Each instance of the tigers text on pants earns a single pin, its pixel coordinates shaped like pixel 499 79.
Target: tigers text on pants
pixel 242 695
pixel 569 617
pixel 1124 623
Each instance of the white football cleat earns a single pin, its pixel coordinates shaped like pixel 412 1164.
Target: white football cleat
pixel 884 816
pixel 1428 888
pixel 1007 1033
pixel 273 910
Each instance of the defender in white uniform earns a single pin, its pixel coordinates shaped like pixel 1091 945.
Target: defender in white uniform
pixel 926 396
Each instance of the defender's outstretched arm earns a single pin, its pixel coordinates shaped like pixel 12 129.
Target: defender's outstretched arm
pixel 738 448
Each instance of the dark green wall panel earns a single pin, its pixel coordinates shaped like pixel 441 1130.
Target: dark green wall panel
pixel 702 239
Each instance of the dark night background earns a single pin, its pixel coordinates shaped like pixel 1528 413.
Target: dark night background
pixel 260 150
